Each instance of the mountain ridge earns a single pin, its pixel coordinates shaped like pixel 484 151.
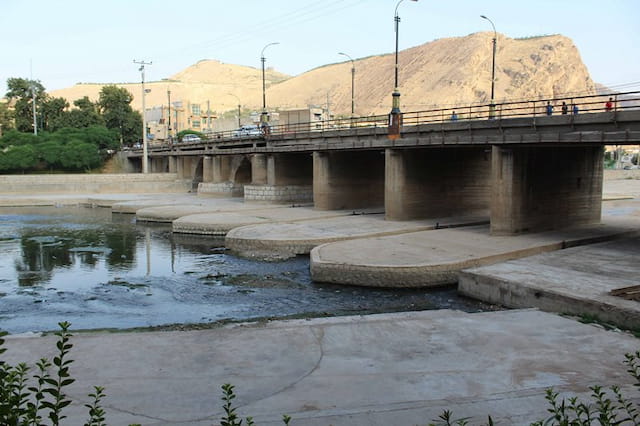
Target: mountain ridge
pixel 444 72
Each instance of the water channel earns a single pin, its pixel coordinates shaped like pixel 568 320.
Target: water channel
pixel 100 270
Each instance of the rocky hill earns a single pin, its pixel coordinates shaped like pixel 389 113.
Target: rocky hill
pixel 445 72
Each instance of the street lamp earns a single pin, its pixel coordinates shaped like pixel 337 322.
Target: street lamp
pixel 353 78
pixel 395 117
pixel 492 105
pixel 238 99
pixel 263 116
pixel 145 156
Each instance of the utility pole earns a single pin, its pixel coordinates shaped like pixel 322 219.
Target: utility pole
pixel 169 114
pixel 145 156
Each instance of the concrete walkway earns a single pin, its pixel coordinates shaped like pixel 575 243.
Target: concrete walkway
pixel 389 369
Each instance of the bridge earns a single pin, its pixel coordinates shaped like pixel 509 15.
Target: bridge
pixel 526 170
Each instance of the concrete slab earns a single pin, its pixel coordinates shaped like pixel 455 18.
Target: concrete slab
pixel 433 258
pixel 576 281
pixel 169 213
pixel 289 239
pixel 220 223
pixel 390 369
pixel 132 206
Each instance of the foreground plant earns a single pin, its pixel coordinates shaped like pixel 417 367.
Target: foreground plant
pixel 22 404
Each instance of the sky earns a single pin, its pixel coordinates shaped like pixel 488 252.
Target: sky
pixel 64 42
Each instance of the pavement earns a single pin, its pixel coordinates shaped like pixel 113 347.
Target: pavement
pixel 387 369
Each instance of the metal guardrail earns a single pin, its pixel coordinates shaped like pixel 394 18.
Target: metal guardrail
pixel 612 102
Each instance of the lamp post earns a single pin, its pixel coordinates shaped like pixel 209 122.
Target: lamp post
pixel 145 155
pixel 353 79
pixel 492 105
pixel 263 116
pixel 239 105
pixel 395 117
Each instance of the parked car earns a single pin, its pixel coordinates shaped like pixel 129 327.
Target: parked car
pixel 191 138
pixel 247 131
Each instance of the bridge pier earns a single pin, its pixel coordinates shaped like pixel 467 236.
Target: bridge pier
pixel 348 180
pixel 541 188
pixel 207 169
pixel 286 178
pixel 436 182
pixel 172 164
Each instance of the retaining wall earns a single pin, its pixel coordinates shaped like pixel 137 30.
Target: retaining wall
pixel 279 193
pixel 93 183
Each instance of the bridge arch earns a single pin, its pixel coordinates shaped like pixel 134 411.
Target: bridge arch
pixel 241 170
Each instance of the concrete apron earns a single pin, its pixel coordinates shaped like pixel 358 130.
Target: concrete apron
pixel 434 258
pixel 220 223
pixel 577 281
pixel 285 240
pixel 169 213
pixel 389 369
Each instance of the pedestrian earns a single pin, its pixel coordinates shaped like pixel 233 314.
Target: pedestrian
pixel 549 108
pixel 454 116
pixel 575 109
pixel 608 106
pixel 565 108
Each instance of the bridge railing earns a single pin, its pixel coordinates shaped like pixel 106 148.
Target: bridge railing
pixel 580 104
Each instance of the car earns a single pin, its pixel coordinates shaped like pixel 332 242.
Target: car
pixel 247 131
pixel 191 138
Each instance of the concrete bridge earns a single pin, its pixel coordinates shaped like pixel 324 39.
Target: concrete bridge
pixel 527 172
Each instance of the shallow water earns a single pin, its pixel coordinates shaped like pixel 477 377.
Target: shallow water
pixel 98 270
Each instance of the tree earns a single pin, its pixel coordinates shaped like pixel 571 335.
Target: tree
pixel 53 113
pixel 22 91
pixel 79 155
pixel 114 104
pixel 21 157
pixel 85 114
pixel 6 118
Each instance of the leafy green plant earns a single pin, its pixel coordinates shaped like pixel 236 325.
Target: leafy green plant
pixel 26 405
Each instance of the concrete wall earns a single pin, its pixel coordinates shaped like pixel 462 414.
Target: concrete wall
pixel 297 194
pixel 348 179
pixel 436 182
pixel 90 183
pixel 535 189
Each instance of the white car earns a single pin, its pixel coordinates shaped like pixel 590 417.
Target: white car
pixel 191 138
pixel 247 131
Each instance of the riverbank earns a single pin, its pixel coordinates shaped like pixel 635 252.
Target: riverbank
pixel 399 369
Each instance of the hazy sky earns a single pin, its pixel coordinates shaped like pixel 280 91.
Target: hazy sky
pixel 63 42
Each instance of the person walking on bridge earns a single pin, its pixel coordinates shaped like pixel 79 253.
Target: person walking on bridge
pixel 608 106
pixel 565 108
pixel 549 108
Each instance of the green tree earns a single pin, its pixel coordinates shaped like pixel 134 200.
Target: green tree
pixel 16 138
pixel 6 118
pixel 52 113
pixel 79 155
pixel 115 106
pixel 85 114
pixel 49 153
pixel 18 158
pixel 22 91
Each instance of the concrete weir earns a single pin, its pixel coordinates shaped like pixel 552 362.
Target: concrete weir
pixel 221 223
pixel 290 239
pixel 434 258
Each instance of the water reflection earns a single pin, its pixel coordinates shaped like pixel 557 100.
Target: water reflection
pixel 99 270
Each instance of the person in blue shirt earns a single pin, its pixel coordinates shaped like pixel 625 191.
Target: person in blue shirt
pixel 549 108
pixel 575 109
pixel 454 116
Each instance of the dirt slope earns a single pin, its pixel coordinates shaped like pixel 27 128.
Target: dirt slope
pixel 445 72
